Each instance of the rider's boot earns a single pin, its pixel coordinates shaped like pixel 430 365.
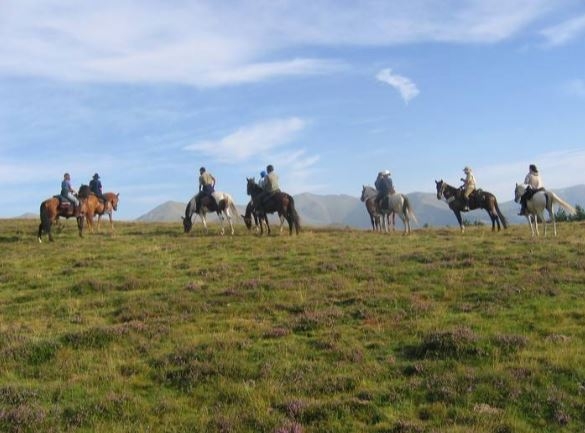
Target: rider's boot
pixel 466 208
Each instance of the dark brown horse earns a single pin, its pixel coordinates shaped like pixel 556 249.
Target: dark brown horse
pixel 250 214
pixel 56 206
pixel 280 202
pixel 95 206
pixel 479 199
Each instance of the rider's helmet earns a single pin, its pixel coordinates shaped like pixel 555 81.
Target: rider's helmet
pixel 269 168
pixel 202 170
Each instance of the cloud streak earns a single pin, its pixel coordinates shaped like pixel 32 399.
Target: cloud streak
pixel 403 85
pixel 207 44
pixel 252 140
pixel 564 32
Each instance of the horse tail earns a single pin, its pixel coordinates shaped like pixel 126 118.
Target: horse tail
pixel 293 214
pixel 234 209
pixel 408 209
pixel 562 203
pixel 500 214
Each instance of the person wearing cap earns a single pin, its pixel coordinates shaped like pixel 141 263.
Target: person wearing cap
pixel 68 193
pixel 206 187
pixel 533 183
pixel 262 180
pixel 468 186
pixel 384 185
pixel 95 186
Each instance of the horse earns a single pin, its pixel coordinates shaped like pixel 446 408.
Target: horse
pixel 95 206
pixel 223 205
pixel 52 208
pixel 392 203
pixel 280 202
pixel 536 205
pixel 478 199
pixel 250 213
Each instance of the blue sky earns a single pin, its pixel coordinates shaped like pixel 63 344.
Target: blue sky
pixel 330 92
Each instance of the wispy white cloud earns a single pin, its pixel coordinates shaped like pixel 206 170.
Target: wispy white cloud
pixel 208 43
pixel 252 140
pixel 403 85
pixel 565 32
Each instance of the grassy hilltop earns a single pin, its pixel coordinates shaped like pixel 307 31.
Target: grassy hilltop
pixel 152 330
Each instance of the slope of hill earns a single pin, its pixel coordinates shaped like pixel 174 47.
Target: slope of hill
pixel 344 210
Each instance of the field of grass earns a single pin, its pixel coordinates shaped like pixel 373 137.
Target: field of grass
pixel 152 330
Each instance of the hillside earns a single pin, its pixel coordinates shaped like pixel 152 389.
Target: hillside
pixel 335 330
pixel 347 211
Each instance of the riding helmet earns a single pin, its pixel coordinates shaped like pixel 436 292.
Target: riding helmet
pixel 96 176
pixel 202 169
pixel 262 173
pixel 269 168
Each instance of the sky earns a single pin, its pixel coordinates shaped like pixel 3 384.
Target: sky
pixel 330 92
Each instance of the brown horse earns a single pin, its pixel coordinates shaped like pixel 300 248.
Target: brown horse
pixel 95 206
pixel 280 202
pixel 250 214
pixel 56 206
pixel 479 199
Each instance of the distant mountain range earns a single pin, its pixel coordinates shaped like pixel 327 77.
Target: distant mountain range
pixel 347 211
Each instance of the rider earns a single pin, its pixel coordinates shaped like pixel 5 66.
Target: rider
pixel 262 181
pixel 68 193
pixel 534 183
pixel 468 186
pixel 384 186
pixel 206 187
pixel 95 186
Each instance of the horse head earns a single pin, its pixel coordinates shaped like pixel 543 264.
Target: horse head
pixel 114 199
pixel 440 188
pixel 363 197
pixel 252 188
pixel 187 224
pixel 518 192
pixel 83 192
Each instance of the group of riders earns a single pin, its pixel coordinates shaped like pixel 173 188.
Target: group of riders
pixel 268 182
pixel 533 181
pixel 70 195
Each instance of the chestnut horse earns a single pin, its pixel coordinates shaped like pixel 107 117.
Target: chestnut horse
pixel 57 206
pixel 95 206
pixel 280 202
pixel 478 199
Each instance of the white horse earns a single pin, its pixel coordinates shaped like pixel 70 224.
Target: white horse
pixel 223 205
pixel 536 205
pixel 393 203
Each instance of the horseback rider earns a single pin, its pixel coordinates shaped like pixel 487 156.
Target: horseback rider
pixel 533 185
pixel 95 186
pixel 269 185
pixel 384 186
pixel 68 193
pixel 262 181
pixel 206 188
pixel 468 186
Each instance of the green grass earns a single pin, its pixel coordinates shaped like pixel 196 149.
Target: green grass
pixel 152 330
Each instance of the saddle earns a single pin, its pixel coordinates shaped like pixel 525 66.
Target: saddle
pixel 531 191
pixel 65 206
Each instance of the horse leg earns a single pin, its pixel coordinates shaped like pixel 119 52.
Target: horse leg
pixel 459 220
pixel 204 221
pixel 80 225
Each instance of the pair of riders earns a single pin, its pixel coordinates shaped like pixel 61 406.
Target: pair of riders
pixel 384 186
pixel 534 184
pixel 269 184
pixel 532 180
pixel 70 194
